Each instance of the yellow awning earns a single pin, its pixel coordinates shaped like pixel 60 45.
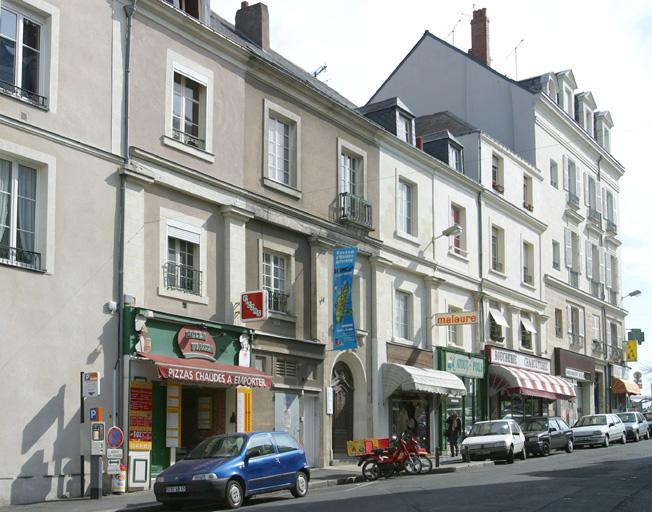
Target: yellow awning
pixel 623 386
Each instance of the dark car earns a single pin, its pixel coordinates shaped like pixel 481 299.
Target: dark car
pixel 636 426
pixel 546 433
pixel 230 468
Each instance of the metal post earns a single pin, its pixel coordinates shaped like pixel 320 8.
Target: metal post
pixel 96 477
pixel 81 422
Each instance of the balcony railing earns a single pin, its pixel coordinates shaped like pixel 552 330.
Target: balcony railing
pixel 528 206
pixel 31 97
pixel 613 297
pixel 611 227
pixel 182 278
pixel 597 289
pixel 189 140
pixel 575 340
pixel 574 278
pixel 20 257
pixel 615 354
pixel 354 209
pixel 498 187
pixel 573 200
pixel 597 346
pixel 496 265
pixel 277 301
pixel 595 216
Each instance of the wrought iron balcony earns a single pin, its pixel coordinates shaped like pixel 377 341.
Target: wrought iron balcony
pixel 354 209
pixel 615 354
pixel 528 206
pixel 497 265
pixel 574 278
pixel 189 140
pixel 20 257
pixel 575 340
pixel 277 301
pixel 18 92
pixel 498 187
pixel 597 289
pixel 597 346
pixel 182 278
pixel 573 200
pixel 611 227
pixel 595 216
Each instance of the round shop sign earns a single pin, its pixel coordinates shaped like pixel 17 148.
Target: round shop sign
pixel 196 343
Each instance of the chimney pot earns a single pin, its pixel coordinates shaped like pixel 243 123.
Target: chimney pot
pixel 480 37
pixel 420 142
pixel 253 22
pixel 244 4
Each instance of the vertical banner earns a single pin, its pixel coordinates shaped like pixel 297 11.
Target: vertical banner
pixel 140 415
pixel 631 351
pixel 343 328
pixel 173 416
pixel 240 415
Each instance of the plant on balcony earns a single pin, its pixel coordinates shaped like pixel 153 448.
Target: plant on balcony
pixel 528 206
pixel 498 187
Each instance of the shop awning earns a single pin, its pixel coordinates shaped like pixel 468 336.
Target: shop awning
pixel 529 383
pixel 528 325
pixel 624 387
pixel 411 378
pixel 200 371
pixel 498 317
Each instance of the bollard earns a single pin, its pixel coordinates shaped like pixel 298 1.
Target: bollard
pixel 436 456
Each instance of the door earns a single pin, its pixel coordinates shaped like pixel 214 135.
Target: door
pixel 342 382
pixel 291 456
pixel 262 470
pixel 286 413
pixel 557 437
pixel 311 430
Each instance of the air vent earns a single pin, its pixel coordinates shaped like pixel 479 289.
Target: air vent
pixel 286 368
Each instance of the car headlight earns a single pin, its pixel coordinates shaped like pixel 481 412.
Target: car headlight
pixel 160 479
pixel 597 433
pixel 205 476
pixel 499 444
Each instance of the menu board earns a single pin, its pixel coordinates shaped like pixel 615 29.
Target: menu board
pixel 140 415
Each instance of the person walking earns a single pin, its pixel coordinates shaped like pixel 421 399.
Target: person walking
pixel 453 429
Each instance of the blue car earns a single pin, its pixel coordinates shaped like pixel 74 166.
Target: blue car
pixel 232 467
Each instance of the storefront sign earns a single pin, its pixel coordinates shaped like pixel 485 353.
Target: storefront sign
pixel 173 413
pixel 196 343
pixel 572 373
pixel 465 365
pixel 212 376
pixel 140 415
pixel 464 317
pixel 253 306
pixel 620 372
pixel 343 326
pixel 519 360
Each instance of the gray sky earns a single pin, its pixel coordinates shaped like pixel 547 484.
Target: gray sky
pixel 607 44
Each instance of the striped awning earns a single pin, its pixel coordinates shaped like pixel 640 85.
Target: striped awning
pixel 529 383
pixel 624 387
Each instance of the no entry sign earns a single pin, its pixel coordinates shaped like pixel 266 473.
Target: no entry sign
pixel 115 437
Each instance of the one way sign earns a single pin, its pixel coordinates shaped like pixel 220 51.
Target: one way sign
pixel 91 384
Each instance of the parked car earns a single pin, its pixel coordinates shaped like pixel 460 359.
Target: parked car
pixel 599 429
pixel 498 439
pixel 636 426
pixel 544 433
pixel 648 416
pixel 233 467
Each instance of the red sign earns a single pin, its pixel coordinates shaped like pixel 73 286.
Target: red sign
pixel 114 437
pixel 253 306
pixel 196 343
pixel 140 415
pixel 250 378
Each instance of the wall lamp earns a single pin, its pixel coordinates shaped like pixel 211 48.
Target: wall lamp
pixel 453 230
pixel 635 293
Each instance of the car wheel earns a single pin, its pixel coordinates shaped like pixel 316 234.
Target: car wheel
pixel 300 487
pixel 623 439
pixel 523 454
pixel 637 436
pixel 510 455
pixel 647 435
pixel 605 442
pixel 370 470
pixel 426 464
pixel 545 449
pixel 234 495
pixel 465 456
pixel 569 446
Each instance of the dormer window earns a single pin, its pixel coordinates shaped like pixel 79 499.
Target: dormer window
pixel 603 125
pixel 568 101
pixel 190 7
pixel 455 157
pixel 588 121
pixel 404 128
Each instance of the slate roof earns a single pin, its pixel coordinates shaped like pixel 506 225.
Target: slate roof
pixel 443 121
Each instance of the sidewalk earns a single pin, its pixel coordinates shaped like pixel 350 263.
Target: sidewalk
pixel 345 472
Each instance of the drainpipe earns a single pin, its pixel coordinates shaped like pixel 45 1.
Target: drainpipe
pixel 607 370
pixel 480 251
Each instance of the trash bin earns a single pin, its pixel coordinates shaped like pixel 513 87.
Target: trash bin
pixel 119 481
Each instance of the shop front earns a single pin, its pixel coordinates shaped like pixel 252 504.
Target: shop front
pixel 622 388
pixel 470 368
pixel 580 371
pixel 189 379
pixel 521 385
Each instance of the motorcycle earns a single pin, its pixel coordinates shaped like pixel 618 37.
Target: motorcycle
pixel 391 461
pixel 415 447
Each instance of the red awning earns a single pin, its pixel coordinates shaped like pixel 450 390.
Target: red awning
pixel 529 383
pixel 206 372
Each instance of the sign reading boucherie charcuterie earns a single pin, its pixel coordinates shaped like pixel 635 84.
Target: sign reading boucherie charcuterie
pixel 460 318
pixel 212 376
pixel 196 342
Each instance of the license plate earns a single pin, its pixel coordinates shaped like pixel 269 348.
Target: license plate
pixel 175 488
pixel 481 452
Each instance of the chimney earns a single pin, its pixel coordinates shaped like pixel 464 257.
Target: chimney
pixel 253 22
pixel 480 37
pixel 420 142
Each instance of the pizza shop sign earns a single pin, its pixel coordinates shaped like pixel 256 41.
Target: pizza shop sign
pixel 196 343
pixel 212 376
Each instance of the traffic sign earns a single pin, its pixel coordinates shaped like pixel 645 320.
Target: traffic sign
pixel 91 384
pixel 114 453
pixel 115 437
pixel 95 414
pixel 113 467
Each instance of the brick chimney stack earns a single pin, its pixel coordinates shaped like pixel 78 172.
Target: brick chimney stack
pixel 480 37
pixel 253 22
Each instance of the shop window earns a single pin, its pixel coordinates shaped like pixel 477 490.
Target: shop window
pixel 285 368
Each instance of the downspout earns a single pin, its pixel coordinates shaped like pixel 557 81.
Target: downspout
pixel 485 406
pixel 607 370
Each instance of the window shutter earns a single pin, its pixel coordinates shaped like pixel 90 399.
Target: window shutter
pixel 602 267
pixel 607 334
pixel 568 248
pixel 619 329
pixel 581 327
pixel 615 216
pixel 565 169
pixel 598 195
pixel 589 259
pixel 578 183
pixel 605 203
pixel 579 256
pixel 569 319
pixel 586 189
pixel 608 269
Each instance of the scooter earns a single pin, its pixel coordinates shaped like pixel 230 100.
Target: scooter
pixel 390 462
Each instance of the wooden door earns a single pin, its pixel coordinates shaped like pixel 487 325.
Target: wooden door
pixel 342 382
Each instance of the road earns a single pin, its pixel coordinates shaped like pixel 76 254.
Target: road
pixel 617 478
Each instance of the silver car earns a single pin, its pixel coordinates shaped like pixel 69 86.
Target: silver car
pixel 636 425
pixel 599 429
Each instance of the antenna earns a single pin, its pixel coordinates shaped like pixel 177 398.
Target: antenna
pixel 514 51
pixel 452 32
pixel 319 70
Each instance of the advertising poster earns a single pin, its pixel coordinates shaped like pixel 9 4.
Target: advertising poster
pixel 343 328
pixel 140 415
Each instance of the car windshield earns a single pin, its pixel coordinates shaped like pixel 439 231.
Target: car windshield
pixel 491 428
pixel 534 425
pixel 220 446
pixel 587 421
pixel 627 417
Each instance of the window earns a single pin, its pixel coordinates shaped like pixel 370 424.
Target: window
pixel 187 111
pixel 592 197
pixel 454 331
pixel 572 254
pixel 572 181
pixel 279 150
pixel 350 174
pixel 282 150
pixel 190 7
pixel 458 216
pixel 554 174
pixel 527 331
pixel 497 174
pixel 18 214
pixel 404 128
pixel 262 444
pixel 610 211
pixel 405 216
pixel 528 263
pixel 497 323
pixel 597 331
pixel 568 101
pixel 497 249
pixel 285 442
pixel 588 121
pixel 575 318
pixel 556 255
pixel 260 363
pixel 275 281
pixel 285 368
pixel 455 157
pixel 182 269
pixel 527 193
pixel 21 56
pixel 559 329
pixel 402 315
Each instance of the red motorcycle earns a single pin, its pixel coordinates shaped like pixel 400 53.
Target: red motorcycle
pixel 391 461
pixel 414 447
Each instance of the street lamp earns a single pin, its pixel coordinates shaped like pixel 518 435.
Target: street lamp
pixel 453 230
pixel 635 293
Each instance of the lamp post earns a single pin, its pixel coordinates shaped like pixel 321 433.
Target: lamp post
pixel 634 293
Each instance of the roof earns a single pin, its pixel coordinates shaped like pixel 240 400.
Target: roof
pixel 385 104
pixel 443 121
pixel 226 29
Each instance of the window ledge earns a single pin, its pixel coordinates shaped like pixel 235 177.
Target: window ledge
pixel 528 285
pixel 404 341
pixel 198 153
pixel 498 273
pixel 281 187
pixel 407 237
pixel 186 297
pixel 286 317
pixel 457 255
pixel 25 100
pixel 528 350
pixel 19 266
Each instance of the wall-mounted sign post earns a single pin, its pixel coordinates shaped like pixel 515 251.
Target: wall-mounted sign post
pixel 253 306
